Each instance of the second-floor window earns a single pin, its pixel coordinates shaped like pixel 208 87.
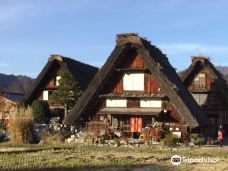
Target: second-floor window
pixel 150 103
pixel 133 81
pixel 46 94
pixel 116 102
pixel 57 80
pixel 200 81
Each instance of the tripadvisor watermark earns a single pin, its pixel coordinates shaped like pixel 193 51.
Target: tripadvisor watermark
pixel 176 160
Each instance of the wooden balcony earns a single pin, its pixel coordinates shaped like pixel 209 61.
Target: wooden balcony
pixel 200 87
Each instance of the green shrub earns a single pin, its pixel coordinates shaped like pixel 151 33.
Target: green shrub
pixel 117 141
pixel 101 139
pixel 170 140
pixel 40 111
pixel 23 104
pixel 2 136
pixel 2 128
pixel 200 141
pixel 193 136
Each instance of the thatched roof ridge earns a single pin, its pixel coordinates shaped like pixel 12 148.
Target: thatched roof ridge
pixel 199 61
pixel 55 57
pixel 200 57
pixel 82 72
pixel 159 65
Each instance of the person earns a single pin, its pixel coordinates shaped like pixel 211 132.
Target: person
pixel 220 136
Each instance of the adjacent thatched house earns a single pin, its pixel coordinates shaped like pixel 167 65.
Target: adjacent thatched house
pixel 7 107
pixel 47 80
pixel 209 89
pixel 136 87
pixel 16 97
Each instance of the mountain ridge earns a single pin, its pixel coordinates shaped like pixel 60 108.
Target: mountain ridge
pixel 15 83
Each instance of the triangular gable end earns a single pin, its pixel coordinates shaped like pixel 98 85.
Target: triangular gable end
pixel 83 73
pixel 209 89
pixel 200 63
pixel 158 65
pixel 42 80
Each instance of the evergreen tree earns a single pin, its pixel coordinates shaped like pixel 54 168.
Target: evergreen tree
pixel 40 111
pixel 67 93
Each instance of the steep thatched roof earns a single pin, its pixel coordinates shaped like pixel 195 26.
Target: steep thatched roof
pixel 83 73
pixel 158 64
pixel 200 62
pixel 6 100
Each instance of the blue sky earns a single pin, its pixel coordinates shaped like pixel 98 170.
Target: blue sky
pixel 31 30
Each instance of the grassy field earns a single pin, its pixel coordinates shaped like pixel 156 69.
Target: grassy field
pixel 80 157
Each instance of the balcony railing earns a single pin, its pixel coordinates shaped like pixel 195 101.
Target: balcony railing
pixel 199 85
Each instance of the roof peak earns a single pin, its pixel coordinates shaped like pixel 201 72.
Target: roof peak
pixel 55 57
pixel 200 58
pixel 128 37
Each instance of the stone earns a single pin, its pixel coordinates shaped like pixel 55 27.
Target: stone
pixel 72 136
pixel 191 144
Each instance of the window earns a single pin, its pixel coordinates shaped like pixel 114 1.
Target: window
pixel 200 80
pixel 57 80
pixel 151 103
pixel 116 103
pixel 46 94
pixel 201 99
pixel 133 81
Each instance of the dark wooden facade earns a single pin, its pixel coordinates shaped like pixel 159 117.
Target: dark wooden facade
pixel 209 89
pixel 50 85
pixel 119 118
pixel 135 88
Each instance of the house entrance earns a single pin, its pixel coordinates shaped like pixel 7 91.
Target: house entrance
pixel 136 124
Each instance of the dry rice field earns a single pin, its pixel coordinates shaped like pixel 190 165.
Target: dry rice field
pixel 81 157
